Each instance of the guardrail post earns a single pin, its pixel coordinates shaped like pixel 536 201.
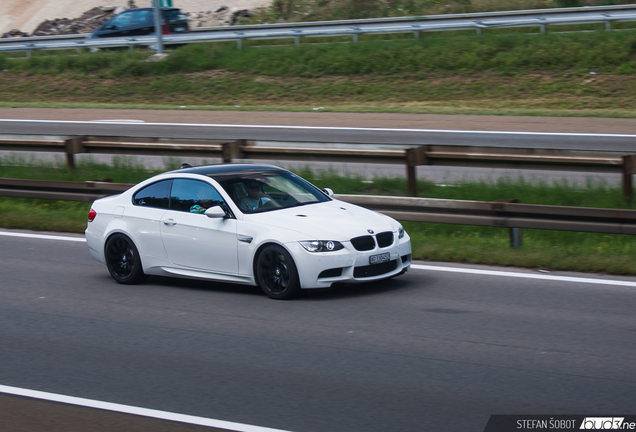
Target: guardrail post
pixel 72 147
pixel 515 238
pixel 629 162
pixel 499 207
pixel 608 25
pixel 414 156
pixel 297 38
pixel 233 150
pixel 355 33
pixel 416 33
pixel 411 174
pixel 239 40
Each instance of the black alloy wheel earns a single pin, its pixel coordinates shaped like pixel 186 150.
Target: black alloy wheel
pixel 122 260
pixel 276 273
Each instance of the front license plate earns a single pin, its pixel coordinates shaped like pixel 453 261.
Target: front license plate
pixel 377 259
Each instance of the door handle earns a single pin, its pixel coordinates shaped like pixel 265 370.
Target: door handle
pixel 169 222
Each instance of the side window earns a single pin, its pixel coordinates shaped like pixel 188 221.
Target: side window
pixel 155 195
pixel 140 17
pixel 193 196
pixel 121 20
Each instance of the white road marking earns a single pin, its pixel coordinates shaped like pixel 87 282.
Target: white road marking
pixel 126 409
pixel 523 275
pixel 413 266
pixel 42 236
pixel 120 121
pixel 242 126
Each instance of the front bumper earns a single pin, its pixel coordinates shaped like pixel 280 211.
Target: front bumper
pixel 348 265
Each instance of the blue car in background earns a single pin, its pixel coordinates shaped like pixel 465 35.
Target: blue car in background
pixel 140 22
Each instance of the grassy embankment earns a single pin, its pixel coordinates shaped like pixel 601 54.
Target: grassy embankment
pixel 541 249
pixel 503 72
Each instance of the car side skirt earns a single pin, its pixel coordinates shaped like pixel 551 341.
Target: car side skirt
pixel 194 274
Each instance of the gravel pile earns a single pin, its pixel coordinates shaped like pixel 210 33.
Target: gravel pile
pixel 88 22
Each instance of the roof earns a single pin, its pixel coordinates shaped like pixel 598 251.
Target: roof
pixel 225 171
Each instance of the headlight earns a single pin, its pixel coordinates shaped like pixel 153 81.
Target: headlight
pixel 321 245
pixel 401 232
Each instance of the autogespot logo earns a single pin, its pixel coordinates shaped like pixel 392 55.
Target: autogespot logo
pixel 607 423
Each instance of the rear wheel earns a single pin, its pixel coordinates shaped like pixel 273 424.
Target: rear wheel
pixel 122 260
pixel 276 273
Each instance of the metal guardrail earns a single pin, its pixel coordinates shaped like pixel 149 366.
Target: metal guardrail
pixel 353 28
pixel 428 18
pixel 500 214
pixel 410 156
pixel 60 190
pixel 505 214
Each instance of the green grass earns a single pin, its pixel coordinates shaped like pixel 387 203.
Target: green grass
pixel 600 51
pixel 43 215
pixel 578 74
pixel 585 72
pixel 437 242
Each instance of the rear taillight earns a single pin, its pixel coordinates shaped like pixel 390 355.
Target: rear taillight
pixel 91 215
pixel 165 29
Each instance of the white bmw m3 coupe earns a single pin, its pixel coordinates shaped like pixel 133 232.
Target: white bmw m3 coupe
pixel 248 224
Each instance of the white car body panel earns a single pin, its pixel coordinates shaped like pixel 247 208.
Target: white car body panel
pixel 178 243
pixel 196 241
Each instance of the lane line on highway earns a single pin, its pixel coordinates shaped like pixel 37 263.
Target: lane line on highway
pixel 523 275
pixel 127 409
pixel 126 121
pixel 498 273
pixel 337 128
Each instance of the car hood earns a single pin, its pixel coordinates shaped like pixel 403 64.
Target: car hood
pixel 333 220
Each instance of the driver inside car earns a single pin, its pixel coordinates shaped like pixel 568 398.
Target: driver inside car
pixel 254 198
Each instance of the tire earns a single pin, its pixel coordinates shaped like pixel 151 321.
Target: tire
pixel 122 260
pixel 276 273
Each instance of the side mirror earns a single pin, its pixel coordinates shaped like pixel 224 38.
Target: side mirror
pixel 215 212
pixel 328 191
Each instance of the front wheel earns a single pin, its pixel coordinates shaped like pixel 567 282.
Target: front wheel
pixel 276 273
pixel 122 260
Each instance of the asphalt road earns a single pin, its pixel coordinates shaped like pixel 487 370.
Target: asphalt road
pixel 431 350
pixel 540 132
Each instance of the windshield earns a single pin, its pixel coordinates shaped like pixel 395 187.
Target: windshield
pixel 265 191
